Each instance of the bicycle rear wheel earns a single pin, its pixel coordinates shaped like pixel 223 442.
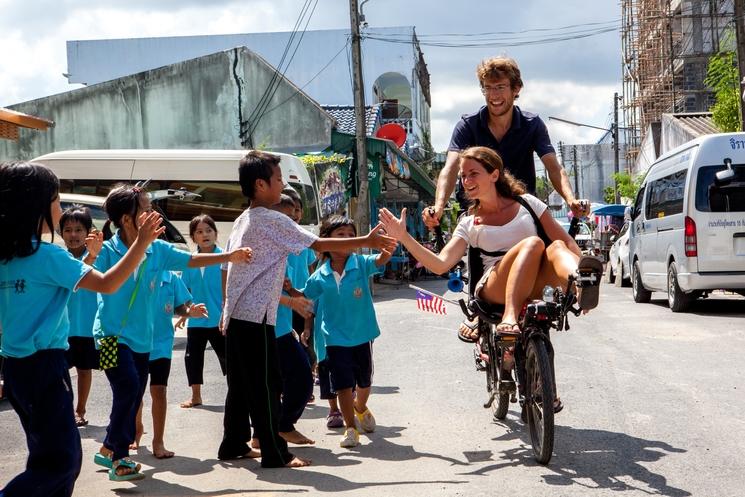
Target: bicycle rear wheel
pixel 501 403
pixel 539 400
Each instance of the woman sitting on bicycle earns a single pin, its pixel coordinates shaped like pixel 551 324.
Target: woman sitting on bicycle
pixel 499 224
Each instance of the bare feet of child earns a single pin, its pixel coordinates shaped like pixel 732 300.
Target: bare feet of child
pixel 255 444
pixel 296 462
pixel 193 402
pixel 160 451
pixel 295 437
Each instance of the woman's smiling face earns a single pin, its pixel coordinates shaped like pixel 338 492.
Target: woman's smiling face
pixel 477 181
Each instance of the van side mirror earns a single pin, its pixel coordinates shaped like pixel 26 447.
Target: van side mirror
pixel 727 175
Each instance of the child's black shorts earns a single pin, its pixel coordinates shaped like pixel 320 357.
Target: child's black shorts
pixel 160 370
pixel 82 353
pixel 350 367
pixel 324 380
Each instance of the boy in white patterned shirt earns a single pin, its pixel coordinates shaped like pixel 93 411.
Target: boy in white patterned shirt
pixel 252 293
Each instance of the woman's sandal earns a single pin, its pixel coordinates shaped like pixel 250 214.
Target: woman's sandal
pixel 471 328
pixel 128 463
pixel 589 272
pixel 507 328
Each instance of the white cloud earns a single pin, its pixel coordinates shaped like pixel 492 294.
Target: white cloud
pixel 581 103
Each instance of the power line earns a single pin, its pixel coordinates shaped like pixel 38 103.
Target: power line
pixel 310 80
pixel 492 33
pixel 507 42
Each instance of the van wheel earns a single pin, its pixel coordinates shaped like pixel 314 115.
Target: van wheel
pixel 641 294
pixel 610 276
pixel 678 300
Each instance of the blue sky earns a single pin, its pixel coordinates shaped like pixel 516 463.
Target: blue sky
pixel 573 79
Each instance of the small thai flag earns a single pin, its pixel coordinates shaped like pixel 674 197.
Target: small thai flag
pixel 430 303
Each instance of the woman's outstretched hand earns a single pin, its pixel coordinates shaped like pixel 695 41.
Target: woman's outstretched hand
pixel 377 240
pixel 394 226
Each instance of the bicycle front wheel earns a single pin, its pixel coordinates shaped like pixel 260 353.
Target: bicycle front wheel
pixel 539 400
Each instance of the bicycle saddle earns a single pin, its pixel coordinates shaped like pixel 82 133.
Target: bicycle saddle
pixel 491 313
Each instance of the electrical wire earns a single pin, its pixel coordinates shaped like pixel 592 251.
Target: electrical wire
pixel 279 73
pixel 310 80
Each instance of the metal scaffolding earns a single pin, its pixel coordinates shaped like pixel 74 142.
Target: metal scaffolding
pixel 665 46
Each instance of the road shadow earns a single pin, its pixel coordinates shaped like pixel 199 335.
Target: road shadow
pixel 382 449
pixel 590 458
pixel 731 306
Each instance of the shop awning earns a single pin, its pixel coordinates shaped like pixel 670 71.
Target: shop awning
pixel 11 120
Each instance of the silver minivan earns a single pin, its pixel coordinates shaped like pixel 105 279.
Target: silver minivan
pixel 687 234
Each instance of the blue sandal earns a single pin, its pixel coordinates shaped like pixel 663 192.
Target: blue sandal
pixel 127 463
pixel 102 460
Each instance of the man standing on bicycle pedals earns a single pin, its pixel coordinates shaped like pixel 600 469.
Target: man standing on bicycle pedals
pixel 513 133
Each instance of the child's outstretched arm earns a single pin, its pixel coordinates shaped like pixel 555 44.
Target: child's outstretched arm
pixel 111 280
pixel 374 240
pixel 437 263
pixel 237 256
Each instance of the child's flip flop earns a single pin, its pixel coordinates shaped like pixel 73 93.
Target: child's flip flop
pixel 126 463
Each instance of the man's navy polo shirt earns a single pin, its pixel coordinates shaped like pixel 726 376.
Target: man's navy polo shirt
pixel 527 134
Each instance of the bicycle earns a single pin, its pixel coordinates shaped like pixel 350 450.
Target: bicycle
pixel 520 367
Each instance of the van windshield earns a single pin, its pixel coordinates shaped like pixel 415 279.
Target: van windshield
pixel 729 197
pixel 222 200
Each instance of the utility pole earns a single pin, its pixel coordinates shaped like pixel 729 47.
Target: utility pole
pixel 362 214
pixel 614 131
pixel 576 172
pixel 740 37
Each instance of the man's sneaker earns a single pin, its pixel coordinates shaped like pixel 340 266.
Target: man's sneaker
pixel 334 420
pixel 365 421
pixel 351 438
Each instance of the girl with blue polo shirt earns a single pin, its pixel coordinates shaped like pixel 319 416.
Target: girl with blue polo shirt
pixel 36 281
pixel 75 226
pixel 129 314
pixel 173 298
pixel 205 285
pixel 342 287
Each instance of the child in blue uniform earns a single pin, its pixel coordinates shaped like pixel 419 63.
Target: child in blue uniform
pixel 173 298
pixel 84 243
pixel 348 324
pixel 128 315
pixel 36 281
pixel 205 285
pixel 297 379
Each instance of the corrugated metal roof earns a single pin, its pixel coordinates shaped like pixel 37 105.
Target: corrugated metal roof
pixel 345 121
pixel 697 123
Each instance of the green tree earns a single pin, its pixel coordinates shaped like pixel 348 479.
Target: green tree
pixel 723 78
pixel 542 188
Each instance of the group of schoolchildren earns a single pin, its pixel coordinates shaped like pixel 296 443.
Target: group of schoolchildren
pixel 110 304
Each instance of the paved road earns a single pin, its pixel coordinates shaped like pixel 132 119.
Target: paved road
pixel 654 405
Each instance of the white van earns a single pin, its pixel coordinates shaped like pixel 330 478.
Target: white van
pixel 687 233
pixel 213 174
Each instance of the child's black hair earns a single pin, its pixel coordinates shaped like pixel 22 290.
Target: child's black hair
pixel 254 166
pixel 294 195
pixel 286 201
pixel 332 223
pixel 202 218
pixel 27 191
pixel 78 213
pixel 123 199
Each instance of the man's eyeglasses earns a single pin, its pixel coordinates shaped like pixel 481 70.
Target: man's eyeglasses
pixel 485 90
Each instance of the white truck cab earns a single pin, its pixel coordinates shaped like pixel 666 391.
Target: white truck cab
pixel 687 232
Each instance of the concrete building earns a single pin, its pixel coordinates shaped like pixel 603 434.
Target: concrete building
pixel 202 103
pixel 394 70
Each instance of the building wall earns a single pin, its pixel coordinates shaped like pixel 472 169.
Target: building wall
pixel 193 104
pixel 94 61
